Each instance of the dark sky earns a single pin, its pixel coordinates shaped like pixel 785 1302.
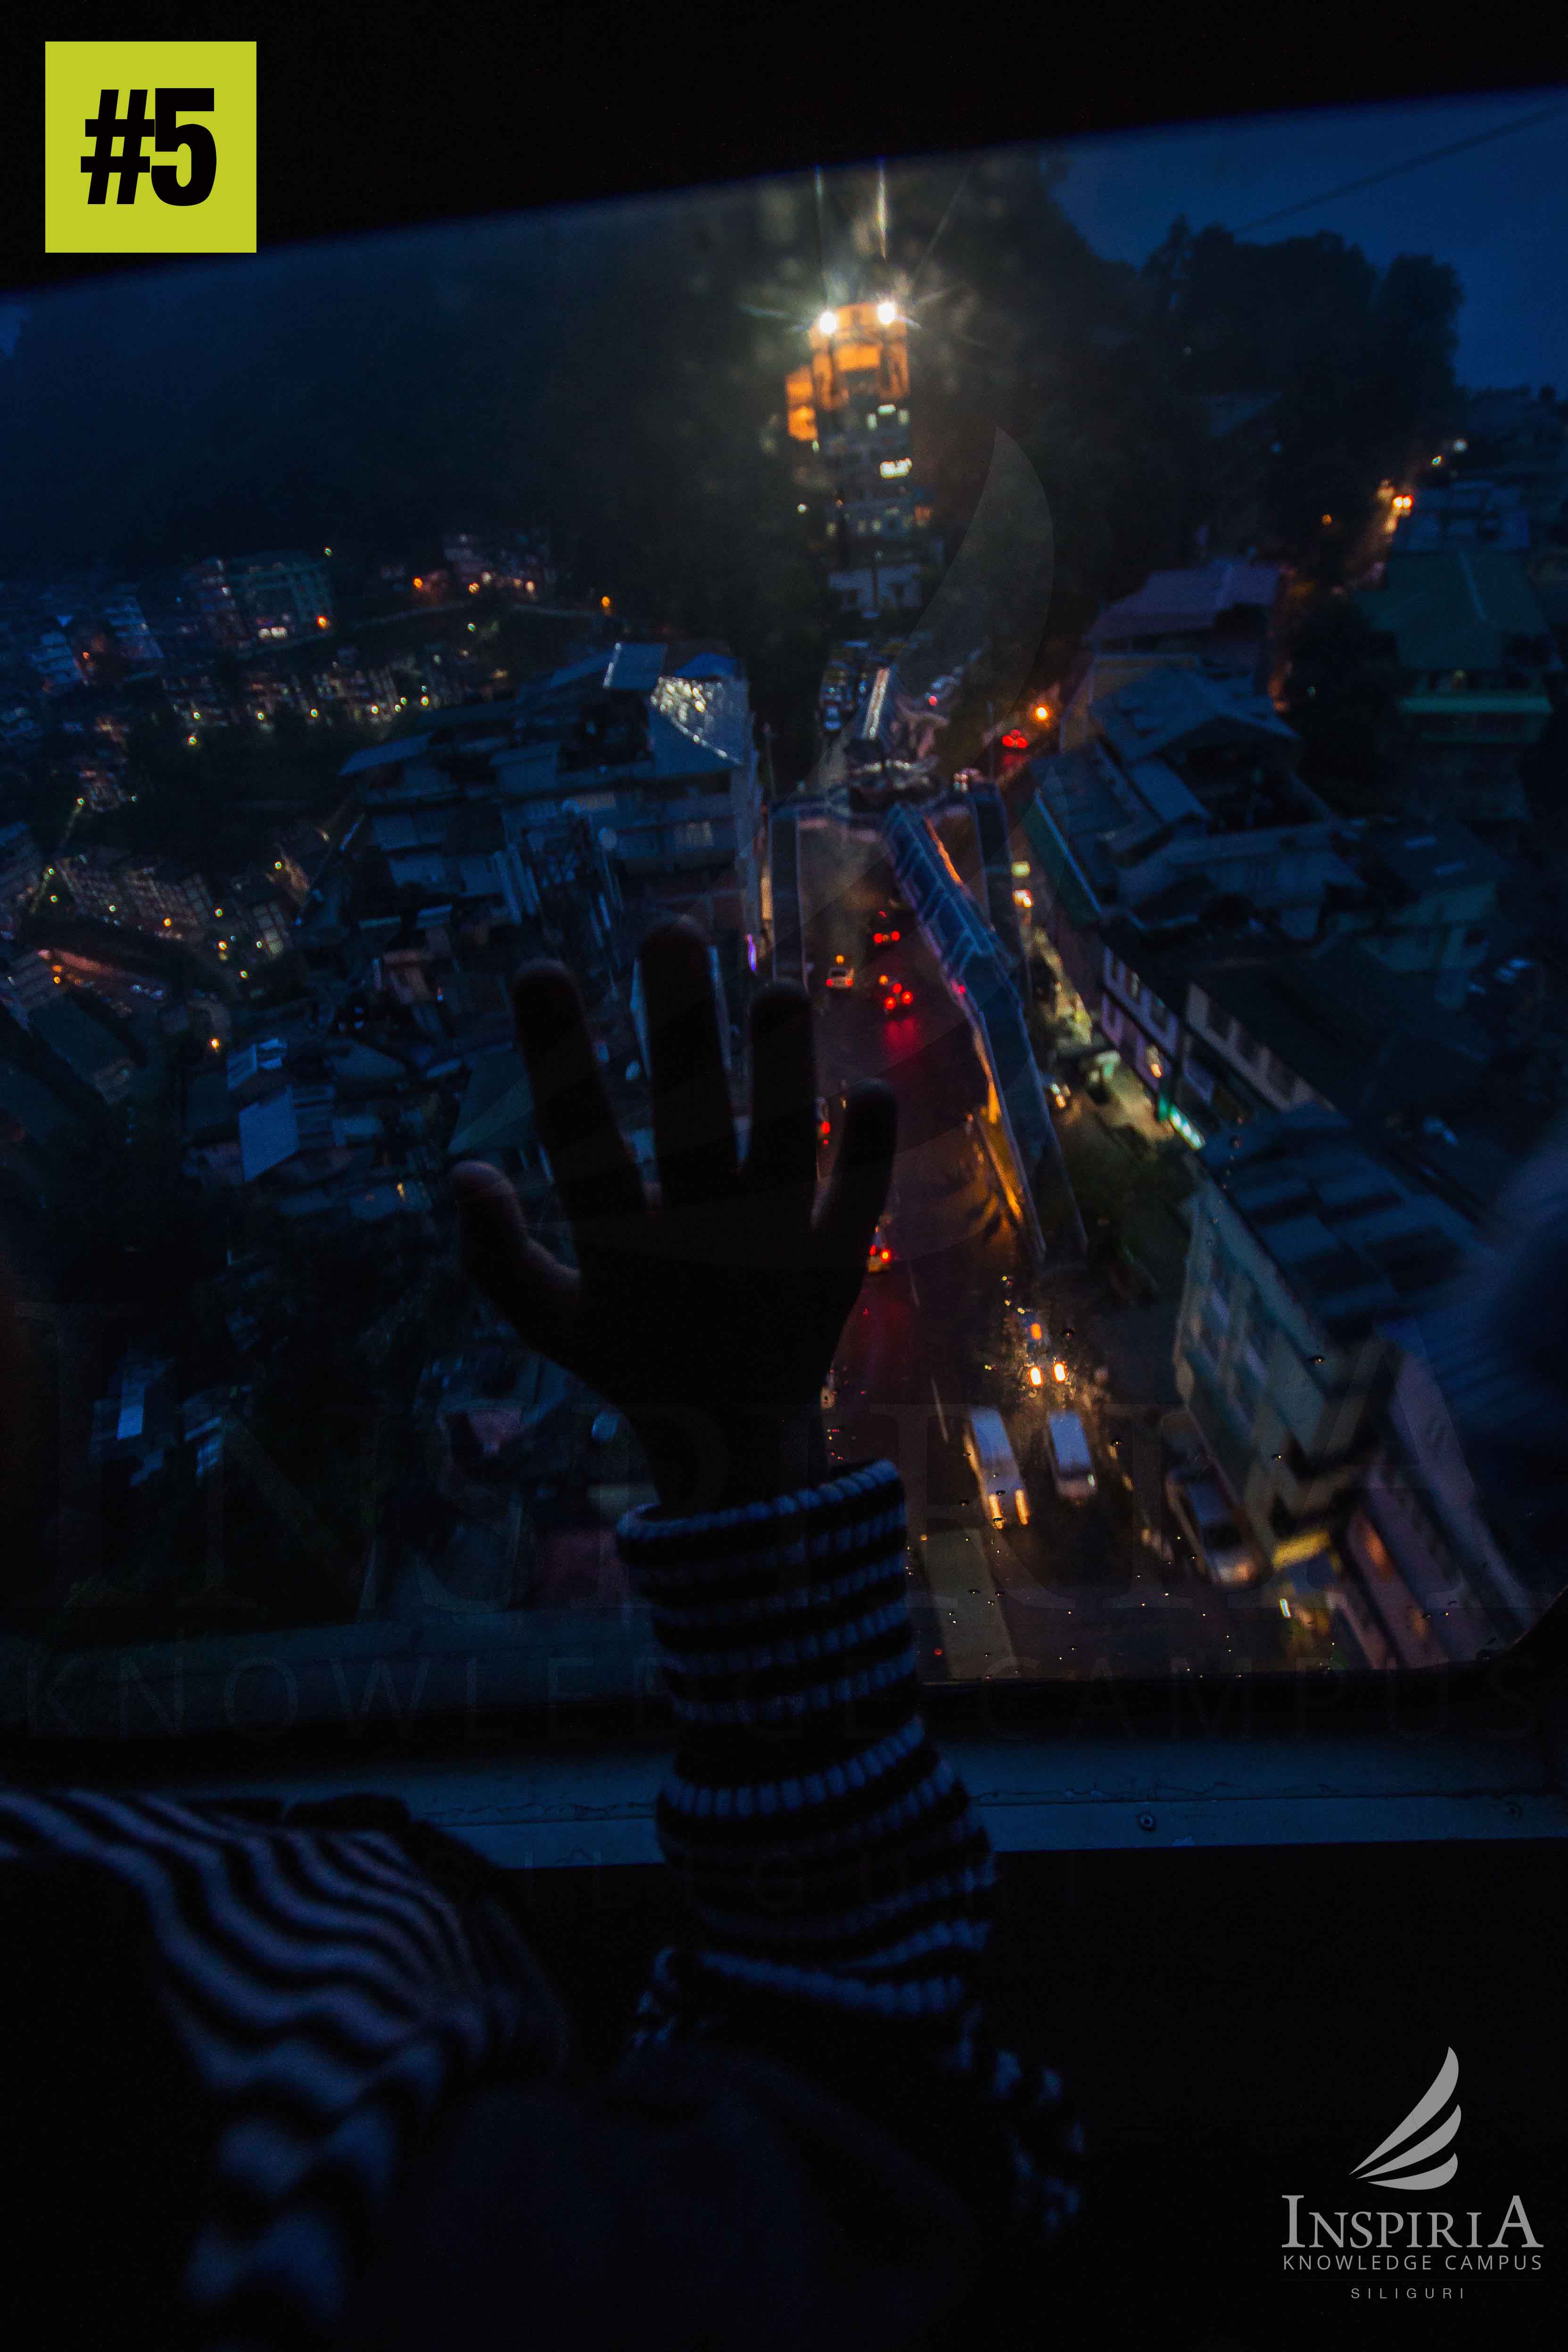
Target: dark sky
pixel 1499 212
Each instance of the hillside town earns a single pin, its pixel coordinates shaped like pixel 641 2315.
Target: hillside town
pixel 1215 1038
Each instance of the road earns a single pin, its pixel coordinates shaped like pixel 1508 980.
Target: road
pixel 1078 1591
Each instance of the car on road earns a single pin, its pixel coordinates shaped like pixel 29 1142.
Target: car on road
pixel 1059 1094
pixel 840 973
pixel 888 926
pixel 989 1453
pixel 896 997
pixel 1205 1518
pixel 1096 1085
pixel 882 1256
pixel 824 1119
pixel 1072 1462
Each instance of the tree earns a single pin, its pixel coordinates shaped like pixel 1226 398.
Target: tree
pixel 1343 699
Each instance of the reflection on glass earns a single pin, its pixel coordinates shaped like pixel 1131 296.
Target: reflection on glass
pixel 1144 670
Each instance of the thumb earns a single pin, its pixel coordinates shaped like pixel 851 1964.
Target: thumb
pixel 499 1257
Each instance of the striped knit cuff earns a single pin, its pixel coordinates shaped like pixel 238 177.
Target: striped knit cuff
pixel 782 1613
pixel 831 1854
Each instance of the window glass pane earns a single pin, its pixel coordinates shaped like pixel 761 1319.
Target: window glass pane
pixel 344 670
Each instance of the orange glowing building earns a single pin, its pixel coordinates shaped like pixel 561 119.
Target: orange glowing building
pixel 848 412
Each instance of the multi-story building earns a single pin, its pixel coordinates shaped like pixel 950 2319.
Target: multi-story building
pixel 27 982
pixel 1520 441
pixel 517 561
pixel 133 637
pixel 208 592
pixel 1476 653
pixel 21 871
pixel 55 663
pixel 1220 615
pixel 1306 1249
pixel 164 896
pixel 282 595
pixel 848 413
pixel 626 785
pixel 1463 512
pixel 1184 802
pixel 258 919
pixel 1442 1585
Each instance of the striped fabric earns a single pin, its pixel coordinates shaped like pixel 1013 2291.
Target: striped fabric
pixel 331 1999
pixel 836 1865
pixel 334 1995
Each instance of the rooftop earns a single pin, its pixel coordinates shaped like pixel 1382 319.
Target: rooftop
pixel 1176 603
pixel 1168 709
pixel 1458 608
pixel 1355 1243
pixel 1432 855
pixel 1367 1038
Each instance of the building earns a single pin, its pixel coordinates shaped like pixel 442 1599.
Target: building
pixel 262 918
pixel 1306 1249
pixel 1476 653
pixel 165 895
pixel 86 1044
pixel 1183 801
pixel 133 637
pixel 619 788
pixel 55 663
pixel 516 561
pixel 208 594
pixel 282 595
pixel 849 415
pixel 21 871
pixel 1463 512
pixel 1220 615
pixel 27 982
pixel 1520 441
pixel 1442 1586
pixel 1337 1027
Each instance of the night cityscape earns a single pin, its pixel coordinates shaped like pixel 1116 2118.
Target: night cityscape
pixel 1214 942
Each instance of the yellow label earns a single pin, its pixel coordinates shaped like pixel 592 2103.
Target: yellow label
pixel 150 146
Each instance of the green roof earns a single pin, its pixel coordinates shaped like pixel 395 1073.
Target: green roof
pixel 1453 608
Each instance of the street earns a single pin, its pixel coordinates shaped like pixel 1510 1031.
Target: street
pixel 1080 1589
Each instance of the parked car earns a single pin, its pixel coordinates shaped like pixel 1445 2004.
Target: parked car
pixel 989 1453
pixel 1208 1520
pixel 1072 1462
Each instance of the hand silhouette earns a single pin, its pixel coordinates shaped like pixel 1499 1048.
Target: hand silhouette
pixel 709 1316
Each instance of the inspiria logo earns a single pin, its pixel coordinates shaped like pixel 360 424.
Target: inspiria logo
pixel 1418 2155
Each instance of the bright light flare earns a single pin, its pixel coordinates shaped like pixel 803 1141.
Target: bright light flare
pixel 1060 1372
pixel 1037 1377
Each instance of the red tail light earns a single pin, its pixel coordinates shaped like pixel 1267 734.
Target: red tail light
pixel 886 1255
pixel 894 935
pixel 909 997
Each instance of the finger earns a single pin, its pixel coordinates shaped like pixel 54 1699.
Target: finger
pixel 781 1160
pixel 693 1125
pixel 535 1293
pixel 593 1173
pixel 857 1190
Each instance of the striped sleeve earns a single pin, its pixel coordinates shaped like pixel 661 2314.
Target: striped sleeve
pixel 840 1875
pixel 331 1999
